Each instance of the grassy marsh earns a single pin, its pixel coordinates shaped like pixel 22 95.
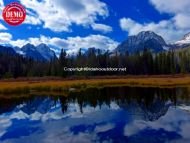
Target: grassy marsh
pixel 9 87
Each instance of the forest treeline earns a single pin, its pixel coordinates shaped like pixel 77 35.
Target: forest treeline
pixel 144 63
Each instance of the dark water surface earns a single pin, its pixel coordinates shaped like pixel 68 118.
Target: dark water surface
pixel 116 114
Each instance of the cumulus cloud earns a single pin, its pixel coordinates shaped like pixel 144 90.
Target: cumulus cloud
pixel 171 29
pixel 97 41
pixel 102 28
pixel 59 15
pixel 165 28
pixel 180 9
pixel 5 38
pixel 32 20
pixel 171 6
pixel 71 44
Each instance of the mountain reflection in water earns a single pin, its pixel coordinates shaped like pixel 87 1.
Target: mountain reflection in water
pixel 112 114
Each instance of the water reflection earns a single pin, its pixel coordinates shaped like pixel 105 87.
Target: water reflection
pixel 114 114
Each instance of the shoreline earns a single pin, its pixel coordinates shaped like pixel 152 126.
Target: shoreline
pixel 49 78
pixel 63 85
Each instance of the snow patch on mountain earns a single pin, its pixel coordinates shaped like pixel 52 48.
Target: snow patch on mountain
pixel 185 40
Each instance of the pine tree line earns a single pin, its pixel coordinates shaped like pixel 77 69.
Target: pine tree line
pixel 144 63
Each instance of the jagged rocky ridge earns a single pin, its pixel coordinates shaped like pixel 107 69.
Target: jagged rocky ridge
pixel 145 39
pixel 150 40
pixel 41 52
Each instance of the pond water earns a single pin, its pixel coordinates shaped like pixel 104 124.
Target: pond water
pixel 114 114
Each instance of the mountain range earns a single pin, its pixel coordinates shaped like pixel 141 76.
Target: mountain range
pixel 136 43
pixel 183 43
pixel 41 52
pixel 7 50
pixel 152 41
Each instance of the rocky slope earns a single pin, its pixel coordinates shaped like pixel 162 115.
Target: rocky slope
pixel 145 39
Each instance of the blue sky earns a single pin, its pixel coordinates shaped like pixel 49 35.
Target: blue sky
pixel 74 24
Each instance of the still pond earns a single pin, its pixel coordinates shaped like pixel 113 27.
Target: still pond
pixel 111 114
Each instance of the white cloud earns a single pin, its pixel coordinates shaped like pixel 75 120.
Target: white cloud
pixel 19 42
pixel 1 8
pixel 59 15
pixel 134 128
pixel 169 122
pixel 104 127
pixel 180 10
pixel 97 41
pixel 50 123
pixel 182 21
pixel 172 29
pixel 72 44
pixel 5 38
pixel 5 123
pixel 171 6
pixel 165 28
pixel 1 4
pixel 102 28
pixel 130 25
pixel 32 20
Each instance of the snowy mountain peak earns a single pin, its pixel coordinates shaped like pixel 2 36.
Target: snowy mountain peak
pixel 185 41
pixel 187 36
pixel 147 33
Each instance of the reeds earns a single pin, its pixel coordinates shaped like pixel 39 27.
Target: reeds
pixel 10 87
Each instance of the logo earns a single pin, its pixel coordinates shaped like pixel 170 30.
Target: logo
pixel 14 14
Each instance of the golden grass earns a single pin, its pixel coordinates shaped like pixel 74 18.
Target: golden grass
pixel 7 87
